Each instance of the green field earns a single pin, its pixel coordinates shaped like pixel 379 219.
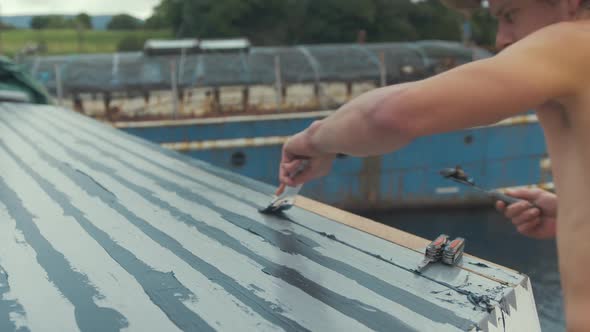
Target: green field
pixel 70 41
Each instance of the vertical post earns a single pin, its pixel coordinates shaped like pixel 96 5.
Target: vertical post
pixel 78 103
pixel 174 89
pixel 245 98
pixel 106 97
pixel 278 83
pixel 181 64
pixel 382 69
pixel 348 90
pixel 316 92
pixel 58 84
pixel 466 30
pixel 217 99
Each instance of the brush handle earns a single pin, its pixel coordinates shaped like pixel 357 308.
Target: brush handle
pixel 503 197
pixel 302 166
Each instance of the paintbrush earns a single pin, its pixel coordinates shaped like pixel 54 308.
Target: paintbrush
pixel 284 197
pixel 458 175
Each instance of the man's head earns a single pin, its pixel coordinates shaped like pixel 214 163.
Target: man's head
pixel 519 18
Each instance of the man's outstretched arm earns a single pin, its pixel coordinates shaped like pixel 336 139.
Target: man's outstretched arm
pixel 522 77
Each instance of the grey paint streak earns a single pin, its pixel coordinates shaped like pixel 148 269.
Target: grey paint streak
pixel 162 288
pixel 73 285
pixel 369 316
pixel 8 307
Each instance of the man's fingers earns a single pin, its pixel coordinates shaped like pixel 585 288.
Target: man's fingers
pixel 283 178
pixel 285 175
pixel 290 166
pixel 500 206
pixel 526 194
pixel 526 216
pixel 529 226
pixel 516 209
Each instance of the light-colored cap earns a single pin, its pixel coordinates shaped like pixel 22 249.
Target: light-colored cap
pixel 463 5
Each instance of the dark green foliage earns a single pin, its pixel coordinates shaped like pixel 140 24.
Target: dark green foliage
pixel 80 21
pixel 268 22
pixel 131 43
pixel 124 22
pixel 84 21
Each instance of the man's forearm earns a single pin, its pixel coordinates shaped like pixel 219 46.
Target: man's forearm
pixel 359 129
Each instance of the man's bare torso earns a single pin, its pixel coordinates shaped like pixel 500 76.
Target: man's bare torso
pixel 566 124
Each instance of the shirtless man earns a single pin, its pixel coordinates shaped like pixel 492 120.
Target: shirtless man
pixel 544 65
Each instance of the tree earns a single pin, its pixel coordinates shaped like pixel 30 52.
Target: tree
pixel 484 28
pixel 39 22
pixel 131 43
pixel 271 22
pixel 124 22
pixel 434 21
pixel 83 20
pixel 168 14
pixel 52 22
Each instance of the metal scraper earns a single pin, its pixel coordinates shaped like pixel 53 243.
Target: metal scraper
pixel 285 196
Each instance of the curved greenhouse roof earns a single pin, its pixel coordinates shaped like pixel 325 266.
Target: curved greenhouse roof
pixel 298 64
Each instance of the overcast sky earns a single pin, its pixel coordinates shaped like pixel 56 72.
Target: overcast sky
pixel 139 8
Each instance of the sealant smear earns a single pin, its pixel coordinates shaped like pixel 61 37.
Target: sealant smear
pixel 92 179
pixel 264 308
pixel 73 285
pixel 8 307
pixel 369 316
pixel 470 295
pixel 290 244
pixel 177 189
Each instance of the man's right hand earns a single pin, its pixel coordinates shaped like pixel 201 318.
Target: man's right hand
pixel 538 221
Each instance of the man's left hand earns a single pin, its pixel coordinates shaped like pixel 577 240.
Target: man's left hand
pixel 299 148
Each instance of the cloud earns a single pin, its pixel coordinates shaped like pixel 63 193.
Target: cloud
pixel 140 8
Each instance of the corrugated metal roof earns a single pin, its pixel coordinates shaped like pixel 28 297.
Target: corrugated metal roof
pixel 104 231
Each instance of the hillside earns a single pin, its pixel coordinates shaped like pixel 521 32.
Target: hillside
pixel 99 22
pixel 68 41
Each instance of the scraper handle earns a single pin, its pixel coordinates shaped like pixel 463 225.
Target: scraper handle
pixel 302 166
pixel 504 198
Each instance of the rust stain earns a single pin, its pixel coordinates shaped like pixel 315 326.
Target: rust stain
pixel 370 179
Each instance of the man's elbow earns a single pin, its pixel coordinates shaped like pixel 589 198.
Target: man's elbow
pixel 393 117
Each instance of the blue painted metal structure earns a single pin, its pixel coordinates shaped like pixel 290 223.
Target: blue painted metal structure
pixel 498 156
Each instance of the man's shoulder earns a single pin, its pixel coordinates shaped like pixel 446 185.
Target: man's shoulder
pixel 565 37
pixel 561 50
